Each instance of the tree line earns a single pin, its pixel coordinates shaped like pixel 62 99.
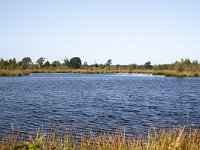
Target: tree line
pixel 27 63
pixel 180 66
pixel 76 63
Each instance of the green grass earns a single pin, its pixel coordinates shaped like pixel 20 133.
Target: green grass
pixel 171 139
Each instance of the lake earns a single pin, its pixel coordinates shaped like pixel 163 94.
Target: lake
pixel 98 101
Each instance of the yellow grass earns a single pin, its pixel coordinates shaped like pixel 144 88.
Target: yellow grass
pixel 14 73
pixel 173 139
pixel 107 71
pixel 166 73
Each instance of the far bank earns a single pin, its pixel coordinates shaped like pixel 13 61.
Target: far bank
pixel 167 73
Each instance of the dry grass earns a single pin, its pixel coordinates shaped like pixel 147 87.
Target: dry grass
pixel 14 73
pixel 167 73
pixel 173 139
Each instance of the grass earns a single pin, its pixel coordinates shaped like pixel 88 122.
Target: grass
pixel 176 74
pixel 167 73
pixel 171 139
pixel 14 73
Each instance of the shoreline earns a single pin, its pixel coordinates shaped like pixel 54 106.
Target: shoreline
pixel 166 73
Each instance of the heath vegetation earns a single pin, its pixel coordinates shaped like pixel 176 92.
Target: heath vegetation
pixel 12 67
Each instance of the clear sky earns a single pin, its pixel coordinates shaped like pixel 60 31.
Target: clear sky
pixel 127 31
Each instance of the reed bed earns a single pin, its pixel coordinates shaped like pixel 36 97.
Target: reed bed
pixel 14 73
pixel 176 74
pixel 167 73
pixel 171 139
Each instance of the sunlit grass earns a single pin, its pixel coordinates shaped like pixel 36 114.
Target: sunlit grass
pixel 14 73
pixel 167 73
pixel 171 139
pixel 176 74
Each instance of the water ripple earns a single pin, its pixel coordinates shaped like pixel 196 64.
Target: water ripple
pixel 98 101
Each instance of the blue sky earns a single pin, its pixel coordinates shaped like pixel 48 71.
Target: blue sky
pixel 128 31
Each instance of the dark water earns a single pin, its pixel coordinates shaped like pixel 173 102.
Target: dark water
pixel 123 101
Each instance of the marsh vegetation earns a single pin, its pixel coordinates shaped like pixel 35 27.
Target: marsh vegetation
pixel 11 67
pixel 155 139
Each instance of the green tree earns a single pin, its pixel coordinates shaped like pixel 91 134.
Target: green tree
pixel 75 62
pixel 85 64
pixel 179 66
pixel 67 62
pixel 195 62
pixel 109 62
pixel 27 61
pixel 47 64
pixel 132 66
pixel 56 64
pixel 148 65
pixel 40 61
pixel 12 63
pixel 2 64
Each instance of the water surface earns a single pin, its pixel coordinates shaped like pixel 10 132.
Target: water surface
pixel 98 101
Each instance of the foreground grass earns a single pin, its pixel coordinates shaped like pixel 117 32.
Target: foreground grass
pixel 173 139
pixel 167 73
